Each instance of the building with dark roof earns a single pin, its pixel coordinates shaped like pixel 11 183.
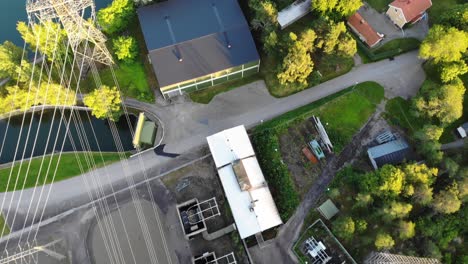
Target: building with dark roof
pixel 196 44
pixel 402 12
pixel 393 152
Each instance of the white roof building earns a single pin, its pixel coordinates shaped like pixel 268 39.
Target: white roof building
pixel 246 190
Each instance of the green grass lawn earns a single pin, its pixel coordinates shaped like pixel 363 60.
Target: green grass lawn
pixel 3 225
pixel 379 5
pixel 206 95
pixel 131 77
pixel 68 167
pixel 345 113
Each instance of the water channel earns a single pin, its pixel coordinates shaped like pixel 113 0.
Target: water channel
pixel 103 140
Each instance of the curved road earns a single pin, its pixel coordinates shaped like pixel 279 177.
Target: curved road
pixel 188 124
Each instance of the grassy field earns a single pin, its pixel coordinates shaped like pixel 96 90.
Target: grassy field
pixel 68 167
pixel 206 95
pixel 3 226
pixel 379 5
pixel 344 113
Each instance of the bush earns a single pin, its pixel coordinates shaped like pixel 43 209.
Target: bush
pixel 266 146
pixel 344 227
pixel 384 241
pixel 125 48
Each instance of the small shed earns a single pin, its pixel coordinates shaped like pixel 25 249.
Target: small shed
pixel 393 152
pixel 463 130
pixel 328 209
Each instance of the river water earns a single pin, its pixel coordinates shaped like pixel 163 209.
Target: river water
pixel 103 140
pixel 12 11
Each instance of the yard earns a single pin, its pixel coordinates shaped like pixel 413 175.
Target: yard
pixel 278 142
pixel 68 167
pixel 390 49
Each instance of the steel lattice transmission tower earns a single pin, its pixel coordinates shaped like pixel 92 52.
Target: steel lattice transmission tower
pixel 78 19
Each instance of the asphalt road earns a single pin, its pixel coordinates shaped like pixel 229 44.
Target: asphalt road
pixel 188 124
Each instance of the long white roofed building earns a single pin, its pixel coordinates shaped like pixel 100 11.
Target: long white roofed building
pixel 246 190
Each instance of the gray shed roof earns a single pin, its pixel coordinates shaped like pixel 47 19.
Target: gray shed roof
pixel 392 152
pixel 198 32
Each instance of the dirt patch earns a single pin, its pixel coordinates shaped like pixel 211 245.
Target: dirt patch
pixel 200 180
pixel 292 141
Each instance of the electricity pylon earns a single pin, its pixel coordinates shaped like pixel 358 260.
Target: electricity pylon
pixel 78 19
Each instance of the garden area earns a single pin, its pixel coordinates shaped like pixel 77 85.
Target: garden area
pixel 67 168
pixel 278 142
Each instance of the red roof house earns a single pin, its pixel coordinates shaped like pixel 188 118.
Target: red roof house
pixel 402 12
pixel 365 31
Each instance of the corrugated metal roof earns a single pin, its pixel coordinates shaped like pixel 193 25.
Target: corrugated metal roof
pixel 392 152
pixel 148 133
pixel 198 32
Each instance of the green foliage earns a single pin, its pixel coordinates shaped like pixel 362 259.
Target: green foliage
pixel 406 230
pixel 396 210
pixel 331 39
pixel 339 7
pixel 429 133
pixel 422 194
pixel 271 43
pixel 442 230
pixel 266 146
pixel 456 16
pixel 390 180
pixel 463 189
pixel 445 103
pixel 344 227
pixel 361 226
pixel 297 65
pixel 420 173
pixel 105 102
pixel 45 94
pixel 47 37
pixel 265 15
pixel 451 70
pixel 116 16
pixel 307 38
pixel 447 201
pixel 384 241
pixel 125 48
pixel 363 200
pixel 444 44
pixel 10 59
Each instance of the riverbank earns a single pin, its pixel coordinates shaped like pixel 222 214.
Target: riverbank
pixel 67 168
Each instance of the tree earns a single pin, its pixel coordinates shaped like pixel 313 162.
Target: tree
pixel 429 133
pixel 463 189
pixel 444 103
pixel 347 46
pixel 444 44
pixel 348 7
pixel 344 227
pixel 384 241
pixel 361 225
pixel 422 194
pixel 332 38
pixel 44 94
pixel 451 166
pixel 420 173
pixel 10 59
pixel 406 230
pixel 451 70
pixel 265 15
pixel 116 16
pixel 456 16
pixel 363 200
pixel 339 7
pixel 447 201
pixel 125 48
pixel 271 43
pixel 307 39
pixel 297 65
pixel 391 180
pixel 47 37
pixel 397 210
pixel 104 102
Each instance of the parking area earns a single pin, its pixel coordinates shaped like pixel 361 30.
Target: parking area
pixel 382 24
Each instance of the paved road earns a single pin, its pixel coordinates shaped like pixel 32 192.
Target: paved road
pixel 455 144
pixel 188 124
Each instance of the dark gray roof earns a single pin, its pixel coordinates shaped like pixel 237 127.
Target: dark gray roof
pixel 392 152
pixel 199 32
